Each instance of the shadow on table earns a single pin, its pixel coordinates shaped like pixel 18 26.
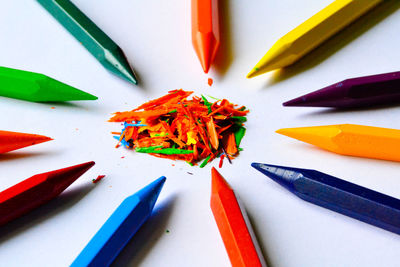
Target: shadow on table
pixel 261 242
pixel 332 111
pixel 224 56
pixel 20 155
pixel 337 42
pixel 45 212
pixel 152 230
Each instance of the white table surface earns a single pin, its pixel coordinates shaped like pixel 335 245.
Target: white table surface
pixel 156 36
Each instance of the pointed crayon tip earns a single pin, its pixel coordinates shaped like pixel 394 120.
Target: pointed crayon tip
pixel 66 176
pixel 132 77
pixel 276 58
pixel 37 139
pixel 151 192
pixel 321 136
pixel 116 61
pixel 128 73
pixel 280 174
pixel 206 47
pixel 252 73
pixel 330 96
pixel 52 90
pixel 218 182
pixel 284 131
pixel 296 102
pixel 13 140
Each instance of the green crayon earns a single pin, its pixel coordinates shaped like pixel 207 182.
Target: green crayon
pixel 36 87
pixel 92 37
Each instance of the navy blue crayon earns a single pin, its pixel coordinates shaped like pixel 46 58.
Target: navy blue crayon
pixel 338 195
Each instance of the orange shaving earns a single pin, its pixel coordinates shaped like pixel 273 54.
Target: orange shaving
pixel 179 128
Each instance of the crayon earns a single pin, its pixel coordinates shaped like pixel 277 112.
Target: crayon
pixel 351 140
pixel 122 225
pixel 338 195
pixel 358 92
pixel 205 31
pixel 233 224
pixel 311 33
pixel 10 141
pixel 105 50
pixel 36 87
pixel 37 190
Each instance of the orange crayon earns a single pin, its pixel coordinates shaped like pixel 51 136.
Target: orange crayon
pixel 12 140
pixel 233 224
pixel 351 140
pixel 205 31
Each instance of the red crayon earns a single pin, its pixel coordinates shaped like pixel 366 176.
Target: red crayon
pixel 37 190
pixel 233 225
pixel 11 140
pixel 205 31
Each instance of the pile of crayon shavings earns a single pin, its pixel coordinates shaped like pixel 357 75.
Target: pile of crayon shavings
pixel 177 128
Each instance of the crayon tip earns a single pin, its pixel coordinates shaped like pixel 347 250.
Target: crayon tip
pixel 66 176
pixel 252 73
pixel 116 62
pixel 277 57
pixel 282 175
pixel 149 193
pixel 52 90
pixel 206 47
pixel 326 97
pixel 296 102
pixel 321 136
pixel 217 182
pixel 37 139
pixel 12 140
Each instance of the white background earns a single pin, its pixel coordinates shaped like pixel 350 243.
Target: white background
pixel 156 37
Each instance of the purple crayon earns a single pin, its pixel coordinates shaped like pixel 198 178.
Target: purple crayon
pixel 358 92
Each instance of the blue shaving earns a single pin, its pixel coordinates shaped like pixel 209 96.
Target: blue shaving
pixel 123 142
pixel 133 125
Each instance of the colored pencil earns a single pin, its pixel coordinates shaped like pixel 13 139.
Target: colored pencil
pixel 120 227
pixel 338 195
pixel 233 224
pixel 37 190
pixel 358 92
pixel 311 33
pixel 205 31
pixel 351 140
pixel 105 50
pixel 10 141
pixel 36 87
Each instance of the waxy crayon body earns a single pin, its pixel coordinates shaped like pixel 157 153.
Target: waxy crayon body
pixel 37 190
pixel 233 224
pixel 311 33
pixel 205 31
pixel 338 195
pixel 351 139
pixel 10 141
pixel 36 87
pixel 122 225
pixel 105 50
pixel 368 91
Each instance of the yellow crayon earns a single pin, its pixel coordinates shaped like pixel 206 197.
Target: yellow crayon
pixel 312 33
pixel 351 140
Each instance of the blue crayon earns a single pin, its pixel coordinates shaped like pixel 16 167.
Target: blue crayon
pixel 338 195
pixel 116 232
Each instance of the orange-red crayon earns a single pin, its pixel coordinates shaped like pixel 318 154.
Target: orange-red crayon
pixel 11 140
pixel 205 31
pixel 37 190
pixel 233 224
